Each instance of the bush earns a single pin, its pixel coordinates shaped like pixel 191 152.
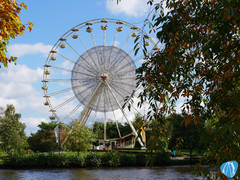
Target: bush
pixel 161 159
pixel 93 159
pixel 140 159
pixel 77 160
pixel 111 159
pixel 127 159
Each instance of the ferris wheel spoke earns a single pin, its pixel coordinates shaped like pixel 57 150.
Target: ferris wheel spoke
pixel 58 80
pixel 75 109
pixel 104 50
pixel 117 62
pixel 124 78
pixel 126 41
pixel 97 68
pixel 95 73
pixel 98 58
pixel 127 65
pixel 71 99
pixel 72 112
pixel 64 103
pixel 132 94
pixel 60 92
pixel 128 101
pixel 68 70
pixel 119 51
pixel 66 80
pixel 113 44
pixel 120 88
pixel 129 54
pixel 117 91
pixel 119 82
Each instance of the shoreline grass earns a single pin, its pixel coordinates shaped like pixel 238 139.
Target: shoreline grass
pixel 91 159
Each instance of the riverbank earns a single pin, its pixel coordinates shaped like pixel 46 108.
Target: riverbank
pixel 92 159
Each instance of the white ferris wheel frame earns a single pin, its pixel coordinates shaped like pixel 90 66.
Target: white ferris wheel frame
pixel 85 113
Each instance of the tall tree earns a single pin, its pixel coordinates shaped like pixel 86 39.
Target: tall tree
pixel 189 137
pixel 44 139
pixel 200 63
pixel 10 26
pixel 80 139
pixel 12 136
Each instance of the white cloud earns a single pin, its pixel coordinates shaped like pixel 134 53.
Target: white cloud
pixel 32 124
pixel 17 88
pixel 20 74
pixel 134 8
pixel 25 49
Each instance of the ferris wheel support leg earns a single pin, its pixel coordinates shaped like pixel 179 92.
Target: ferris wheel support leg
pixel 84 111
pixel 125 116
pixel 89 102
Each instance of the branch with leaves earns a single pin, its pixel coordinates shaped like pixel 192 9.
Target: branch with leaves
pixel 10 27
pixel 200 65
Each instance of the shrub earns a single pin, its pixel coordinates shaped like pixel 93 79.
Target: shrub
pixel 77 160
pixel 140 159
pixel 127 159
pixel 111 159
pixel 161 159
pixel 93 159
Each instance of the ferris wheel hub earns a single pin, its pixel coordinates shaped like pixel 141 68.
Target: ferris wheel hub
pixel 104 77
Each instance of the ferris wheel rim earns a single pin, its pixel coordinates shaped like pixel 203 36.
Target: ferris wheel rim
pixel 111 87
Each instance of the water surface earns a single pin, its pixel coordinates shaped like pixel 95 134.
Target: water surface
pixel 156 173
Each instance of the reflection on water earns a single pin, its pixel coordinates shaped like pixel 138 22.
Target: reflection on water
pixel 165 173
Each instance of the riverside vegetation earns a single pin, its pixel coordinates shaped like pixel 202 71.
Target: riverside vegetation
pixel 88 159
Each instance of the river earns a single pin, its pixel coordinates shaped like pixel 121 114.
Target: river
pixel 156 173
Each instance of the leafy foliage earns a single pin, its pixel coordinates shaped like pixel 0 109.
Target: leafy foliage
pixel 12 136
pixel 111 159
pixel 183 137
pixel 10 26
pixel 80 139
pixel 111 129
pixel 158 136
pixel 44 139
pixel 198 64
pixel 93 159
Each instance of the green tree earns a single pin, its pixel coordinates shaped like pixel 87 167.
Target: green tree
pixel 111 129
pixel 158 135
pixel 80 139
pixel 12 137
pixel 189 136
pixel 199 61
pixel 98 129
pixel 10 26
pixel 44 139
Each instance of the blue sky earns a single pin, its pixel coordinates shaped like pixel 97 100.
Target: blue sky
pixel 21 84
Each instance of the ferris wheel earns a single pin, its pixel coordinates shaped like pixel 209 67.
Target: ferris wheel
pixel 90 71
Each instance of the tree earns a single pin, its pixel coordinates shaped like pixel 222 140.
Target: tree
pixel 10 27
pixel 12 137
pixel 158 135
pixel 111 129
pixel 187 137
pixel 80 139
pixel 44 139
pixel 200 63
